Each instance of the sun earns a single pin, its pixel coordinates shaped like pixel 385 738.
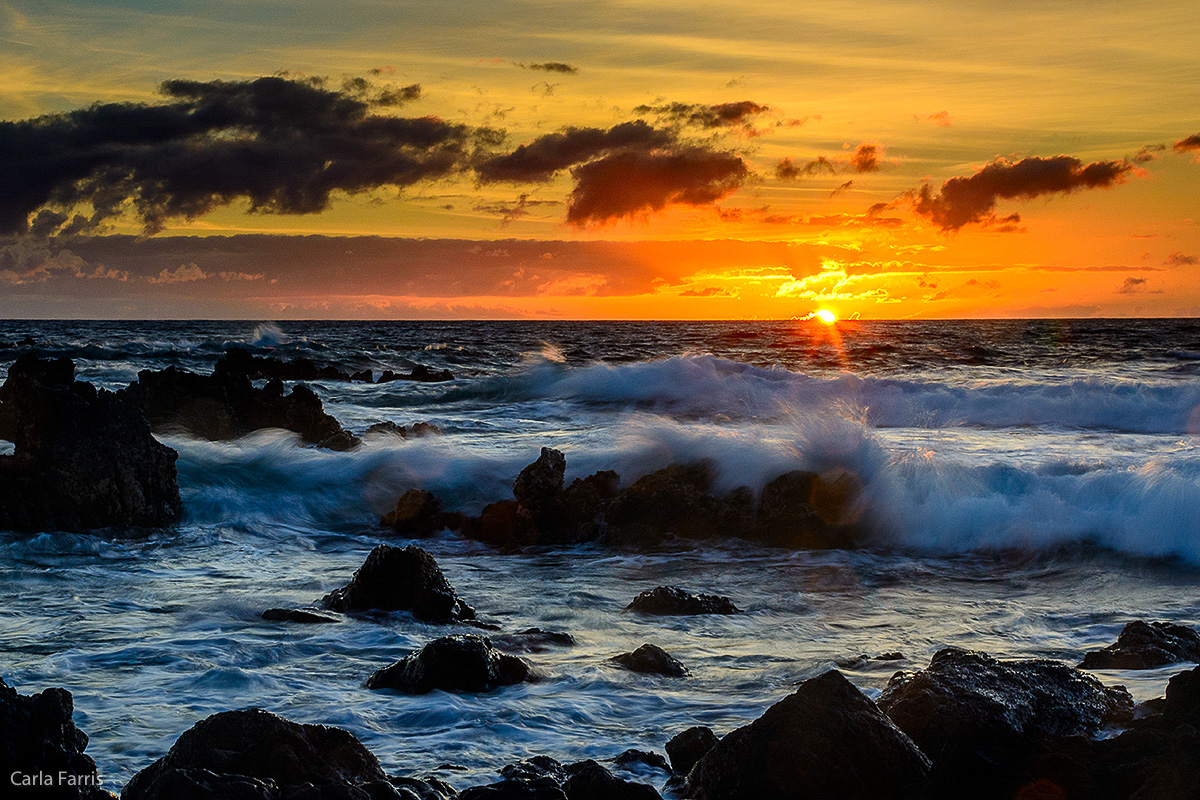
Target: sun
pixel 826 316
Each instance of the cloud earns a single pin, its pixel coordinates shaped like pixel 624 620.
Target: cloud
pixel 720 115
pixel 864 158
pixel 282 144
pixel 1189 144
pixel 510 212
pixel 972 200
pixel 546 155
pixel 1148 153
pixel 184 273
pixel 1136 286
pixel 1181 260
pixel 630 183
pixel 940 119
pixel 552 66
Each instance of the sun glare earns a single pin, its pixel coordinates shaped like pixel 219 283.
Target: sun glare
pixel 826 316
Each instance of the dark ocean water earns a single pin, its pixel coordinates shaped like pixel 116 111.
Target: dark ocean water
pixel 1031 486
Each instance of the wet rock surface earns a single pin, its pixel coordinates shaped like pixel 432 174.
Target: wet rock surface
pixel 686 748
pixel 1145 645
pixel 533 640
pixel 590 780
pixel 241 362
pixel 826 740
pixel 672 601
pixel 462 663
pixel 300 616
pixel 83 458
pixel 38 737
pixel 417 513
pixel 414 431
pixel 652 660
pixel 401 579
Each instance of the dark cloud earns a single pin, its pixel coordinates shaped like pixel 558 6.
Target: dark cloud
pixel 510 212
pixel 552 66
pixel 1189 144
pixel 720 115
pixel 1181 260
pixel 630 183
pixel 864 158
pixel 963 201
pixel 1137 286
pixel 284 145
pixel 1146 154
pixel 546 155
pixel 790 170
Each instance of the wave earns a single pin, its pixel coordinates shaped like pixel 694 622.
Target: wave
pixel 705 385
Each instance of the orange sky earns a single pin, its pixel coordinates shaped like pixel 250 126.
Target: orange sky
pixel 698 160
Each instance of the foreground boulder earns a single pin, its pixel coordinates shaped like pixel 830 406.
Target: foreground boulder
pixel 653 660
pixel 83 458
pixel 688 747
pixel 592 781
pixel 401 579
pixel 256 755
pixel 226 405
pixel 671 601
pixel 462 663
pixel 826 740
pixel 970 699
pixel 1146 645
pixel 39 738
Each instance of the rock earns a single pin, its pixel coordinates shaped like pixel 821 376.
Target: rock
pixel 226 405
pixel 806 510
pixel 974 701
pixel 516 789
pixel 535 767
pixel 415 431
pixel 463 663
pixel 255 754
pixel 396 579
pixel 670 601
pixel 420 373
pixel 1183 699
pixel 631 758
pixel 83 459
pixel 865 661
pixel 688 747
pixel 418 512
pixel 652 659
pixel 675 500
pixel 414 789
pixel 586 498
pixel 590 781
pixel 239 362
pixel 298 615
pixel 38 737
pixel 533 640
pixel 825 740
pixel 539 486
pixel 1145 645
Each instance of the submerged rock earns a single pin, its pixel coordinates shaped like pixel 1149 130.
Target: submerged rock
pixel 83 458
pixel 414 431
pixel 652 659
pixel 1145 645
pixel 826 740
pixel 401 579
pixel 969 698
pixel 642 758
pixel 462 663
pixel 533 640
pixel 255 754
pixel 688 747
pixel 38 737
pixel 298 615
pixel 671 601
pixel 238 361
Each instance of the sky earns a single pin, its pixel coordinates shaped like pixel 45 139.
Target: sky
pixel 611 159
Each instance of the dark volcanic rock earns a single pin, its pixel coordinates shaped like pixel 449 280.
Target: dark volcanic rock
pixel 255 754
pixel 591 781
pixel 420 373
pixel 670 601
pixel 463 663
pixel 808 510
pixel 632 758
pixel 401 579
pixel 516 789
pixel 1145 645
pixel 1183 699
pixel 686 748
pixel 418 512
pixel 226 405
pixel 414 431
pixel 535 767
pixel 239 362
pixel 38 736
pixel 83 459
pixel 542 481
pixel 533 640
pixel 674 500
pixel 970 699
pixel 653 660
pixel 826 740
pixel 298 615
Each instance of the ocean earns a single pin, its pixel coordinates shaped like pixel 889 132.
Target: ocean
pixel 1030 486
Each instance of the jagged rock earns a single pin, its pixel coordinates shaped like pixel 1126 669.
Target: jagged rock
pixel 418 512
pixel 83 459
pixel 1145 645
pixel 652 659
pixel 38 737
pixel 806 510
pixel 298 615
pixel 633 757
pixel 591 781
pixel 535 767
pixel 671 601
pixel 463 663
pixel 688 747
pixel 255 754
pixel 396 579
pixel 420 373
pixel 239 362
pixel 586 498
pixel 539 486
pixel 862 661
pixel 516 789
pixel 415 789
pixel 1183 699
pixel 533 640
pixel 825 740
pixel 414 431
pixel 226 405
pixel 970 699
pixel 674 500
